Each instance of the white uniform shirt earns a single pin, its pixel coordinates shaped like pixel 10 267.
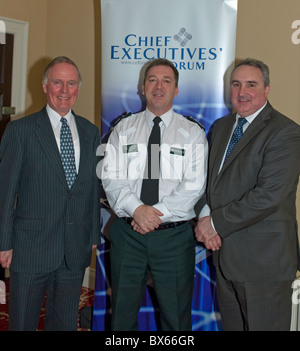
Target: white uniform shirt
pixel 183 161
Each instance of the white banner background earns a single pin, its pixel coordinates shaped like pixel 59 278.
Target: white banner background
pixel 134 31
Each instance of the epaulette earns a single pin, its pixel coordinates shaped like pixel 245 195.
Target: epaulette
pixel 125 115
pixel 195 121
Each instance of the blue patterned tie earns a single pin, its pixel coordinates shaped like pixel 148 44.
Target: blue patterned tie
pixel 236 136
pixel 67 152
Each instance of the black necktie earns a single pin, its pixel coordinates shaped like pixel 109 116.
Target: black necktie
pixel 149 193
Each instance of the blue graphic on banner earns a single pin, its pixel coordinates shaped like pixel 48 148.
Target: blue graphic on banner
pixel 190 102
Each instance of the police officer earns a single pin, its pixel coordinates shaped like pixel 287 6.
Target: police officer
pixel 154 196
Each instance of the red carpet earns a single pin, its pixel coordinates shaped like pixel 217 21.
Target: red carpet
pixel 86 299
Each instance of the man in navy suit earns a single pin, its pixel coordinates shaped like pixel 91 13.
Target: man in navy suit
pixel 47 227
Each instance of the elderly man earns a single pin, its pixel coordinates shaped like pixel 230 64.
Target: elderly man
pixel 49 204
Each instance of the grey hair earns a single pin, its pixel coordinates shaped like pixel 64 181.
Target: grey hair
pixel 258 64
pixel 60 59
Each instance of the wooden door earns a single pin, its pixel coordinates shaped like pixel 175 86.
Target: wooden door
pixel 6 62
pixel 6 65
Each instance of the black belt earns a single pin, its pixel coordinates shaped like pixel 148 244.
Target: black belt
pixel 160 227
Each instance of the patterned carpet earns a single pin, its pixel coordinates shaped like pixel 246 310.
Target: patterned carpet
pixel 86 300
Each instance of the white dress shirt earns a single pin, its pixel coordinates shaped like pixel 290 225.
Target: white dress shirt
pixel 56 126
pixel 183 165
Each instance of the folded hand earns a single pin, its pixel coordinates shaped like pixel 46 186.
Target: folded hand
pixel 205 233
pixel 146 219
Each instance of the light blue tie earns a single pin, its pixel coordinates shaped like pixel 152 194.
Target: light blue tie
pixel 236 136
pixel 67 152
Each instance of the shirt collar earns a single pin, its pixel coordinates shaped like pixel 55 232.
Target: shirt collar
pixel 55 117
pixel 251 118
pixel 166 117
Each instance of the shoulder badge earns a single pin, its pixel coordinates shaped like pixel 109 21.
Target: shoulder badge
pixel 195 121
pixel 119 119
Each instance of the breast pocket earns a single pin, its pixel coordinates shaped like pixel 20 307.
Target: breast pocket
pixel 172 162
pixel 134 157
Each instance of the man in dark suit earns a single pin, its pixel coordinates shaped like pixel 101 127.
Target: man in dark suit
pixel 48 226
pixel 251 220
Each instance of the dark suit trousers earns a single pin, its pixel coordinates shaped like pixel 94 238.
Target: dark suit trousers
pixel 169 255
pixel 254 306
pixel 27 292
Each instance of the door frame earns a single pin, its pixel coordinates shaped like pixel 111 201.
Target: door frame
pixel 20 29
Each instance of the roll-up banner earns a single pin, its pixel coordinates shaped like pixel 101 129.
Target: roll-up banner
pixel 198 36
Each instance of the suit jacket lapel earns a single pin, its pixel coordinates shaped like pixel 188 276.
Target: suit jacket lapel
pixel 84 147
pixel 255 127
pixel 48 143
pixel 220 143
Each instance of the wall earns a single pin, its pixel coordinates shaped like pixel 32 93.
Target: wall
pixel 34 12
pixel 65 27
pixel 264 32
pixel 71 31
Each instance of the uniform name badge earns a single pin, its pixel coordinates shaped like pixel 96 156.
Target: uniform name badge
pixel 130 148
pixel 177 151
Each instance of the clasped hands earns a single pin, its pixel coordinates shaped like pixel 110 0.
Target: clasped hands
pixel 206 234
pixel 146 219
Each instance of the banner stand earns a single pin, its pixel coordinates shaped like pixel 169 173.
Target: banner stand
pixel 198 36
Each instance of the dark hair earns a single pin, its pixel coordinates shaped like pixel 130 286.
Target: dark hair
pixel 60 59
pixel 162 62
pixel 258 64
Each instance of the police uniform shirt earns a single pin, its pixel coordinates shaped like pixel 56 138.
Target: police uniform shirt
pixel 183 164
